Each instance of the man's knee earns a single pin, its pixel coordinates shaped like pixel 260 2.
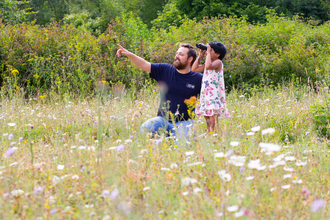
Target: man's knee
pixel 153 124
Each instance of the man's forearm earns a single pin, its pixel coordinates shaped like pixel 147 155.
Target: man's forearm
pixel 140 62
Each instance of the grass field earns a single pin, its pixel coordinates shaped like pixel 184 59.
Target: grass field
pixel 74 158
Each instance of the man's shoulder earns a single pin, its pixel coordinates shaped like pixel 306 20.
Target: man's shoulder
pixel 197 74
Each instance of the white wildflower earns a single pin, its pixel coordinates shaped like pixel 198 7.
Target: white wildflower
pixel 268 131
pixel 234 143
pixel 255 128
pixel 233 208
pixel 285 187
pixel 17 192
pixel 269 147
pixel 189 153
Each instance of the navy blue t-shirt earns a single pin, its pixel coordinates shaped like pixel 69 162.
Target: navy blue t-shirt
pixel 175 88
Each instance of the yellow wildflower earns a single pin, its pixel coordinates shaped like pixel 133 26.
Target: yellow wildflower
pixel 14 72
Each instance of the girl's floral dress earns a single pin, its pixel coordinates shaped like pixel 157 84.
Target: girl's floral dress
pixel 212 97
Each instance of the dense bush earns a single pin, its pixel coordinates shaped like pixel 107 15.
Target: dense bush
pixel 69 59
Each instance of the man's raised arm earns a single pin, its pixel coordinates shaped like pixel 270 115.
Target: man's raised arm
pixel 136 60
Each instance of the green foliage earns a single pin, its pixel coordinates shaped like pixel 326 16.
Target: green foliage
pixel 170 16
pixel 13 11
pixel 69 59
pixel 321 116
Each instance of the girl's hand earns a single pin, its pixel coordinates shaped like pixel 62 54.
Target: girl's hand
pixel 208 48
pixel 201 53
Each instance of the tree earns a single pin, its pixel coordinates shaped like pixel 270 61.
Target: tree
pixel 14 11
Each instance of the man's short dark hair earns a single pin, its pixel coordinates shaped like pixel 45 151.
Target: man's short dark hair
pixel 191 51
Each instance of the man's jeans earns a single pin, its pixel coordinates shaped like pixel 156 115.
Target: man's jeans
pixel 179 129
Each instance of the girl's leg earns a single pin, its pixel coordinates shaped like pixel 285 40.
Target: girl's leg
pixel 210 123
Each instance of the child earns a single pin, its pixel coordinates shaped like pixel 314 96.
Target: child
pixel 212 97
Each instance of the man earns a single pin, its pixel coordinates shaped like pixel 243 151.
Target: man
pixel 177 83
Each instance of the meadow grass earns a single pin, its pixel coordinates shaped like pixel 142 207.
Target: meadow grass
pixel 74 158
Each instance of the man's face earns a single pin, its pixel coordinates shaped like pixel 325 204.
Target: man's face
pixel 181 58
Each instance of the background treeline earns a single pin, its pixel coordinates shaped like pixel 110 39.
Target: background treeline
pixel 62 58
pixel 96 14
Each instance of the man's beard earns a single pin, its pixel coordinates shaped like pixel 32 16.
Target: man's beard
pixel 179 65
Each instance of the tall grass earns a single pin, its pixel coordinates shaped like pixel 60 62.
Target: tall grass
pixel 134 176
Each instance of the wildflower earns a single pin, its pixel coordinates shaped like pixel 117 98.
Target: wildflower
pixel 233 208
pixel 196 163
pixel 220 154
pixel 241 170
pixel 278 158
pixel 268 131
pixel 188 181
pixel 290 158
pixel 277 163
pixel 10 151
pixel 75 177
pixel 105 193
pixel 120 147
pixel 255 128
pixel 317 205
pixel 89 206
pixel 158 141
pixel 197 190
pixel 106 217
pixel 255 164
pixel 250 133
pixel 56 180
pixel 286 186
pixel 14 72
pixel 249 178
pixel 224 176
pixel 174 166
pixel 12 124
pixel 234 143
pixel 53 211
pixel 237 160
pixel 288 169
pixel 185 193
pixel 112 116
pixel 10 136
pixel 268 147
pixel 306 193
pixel 189 153
pixel 297 181
pixel 146 188
pixel 299 163
pixel 287 176
pixel 17 192
pixel 229 152
pixel 20 139
pixel 124 207
pixel 114 194
pixel 240 213
pixel 13 164
pixel 38 190
pixel 60 167
pixel 165 169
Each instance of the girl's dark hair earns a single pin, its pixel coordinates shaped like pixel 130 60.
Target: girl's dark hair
pixel 219 48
